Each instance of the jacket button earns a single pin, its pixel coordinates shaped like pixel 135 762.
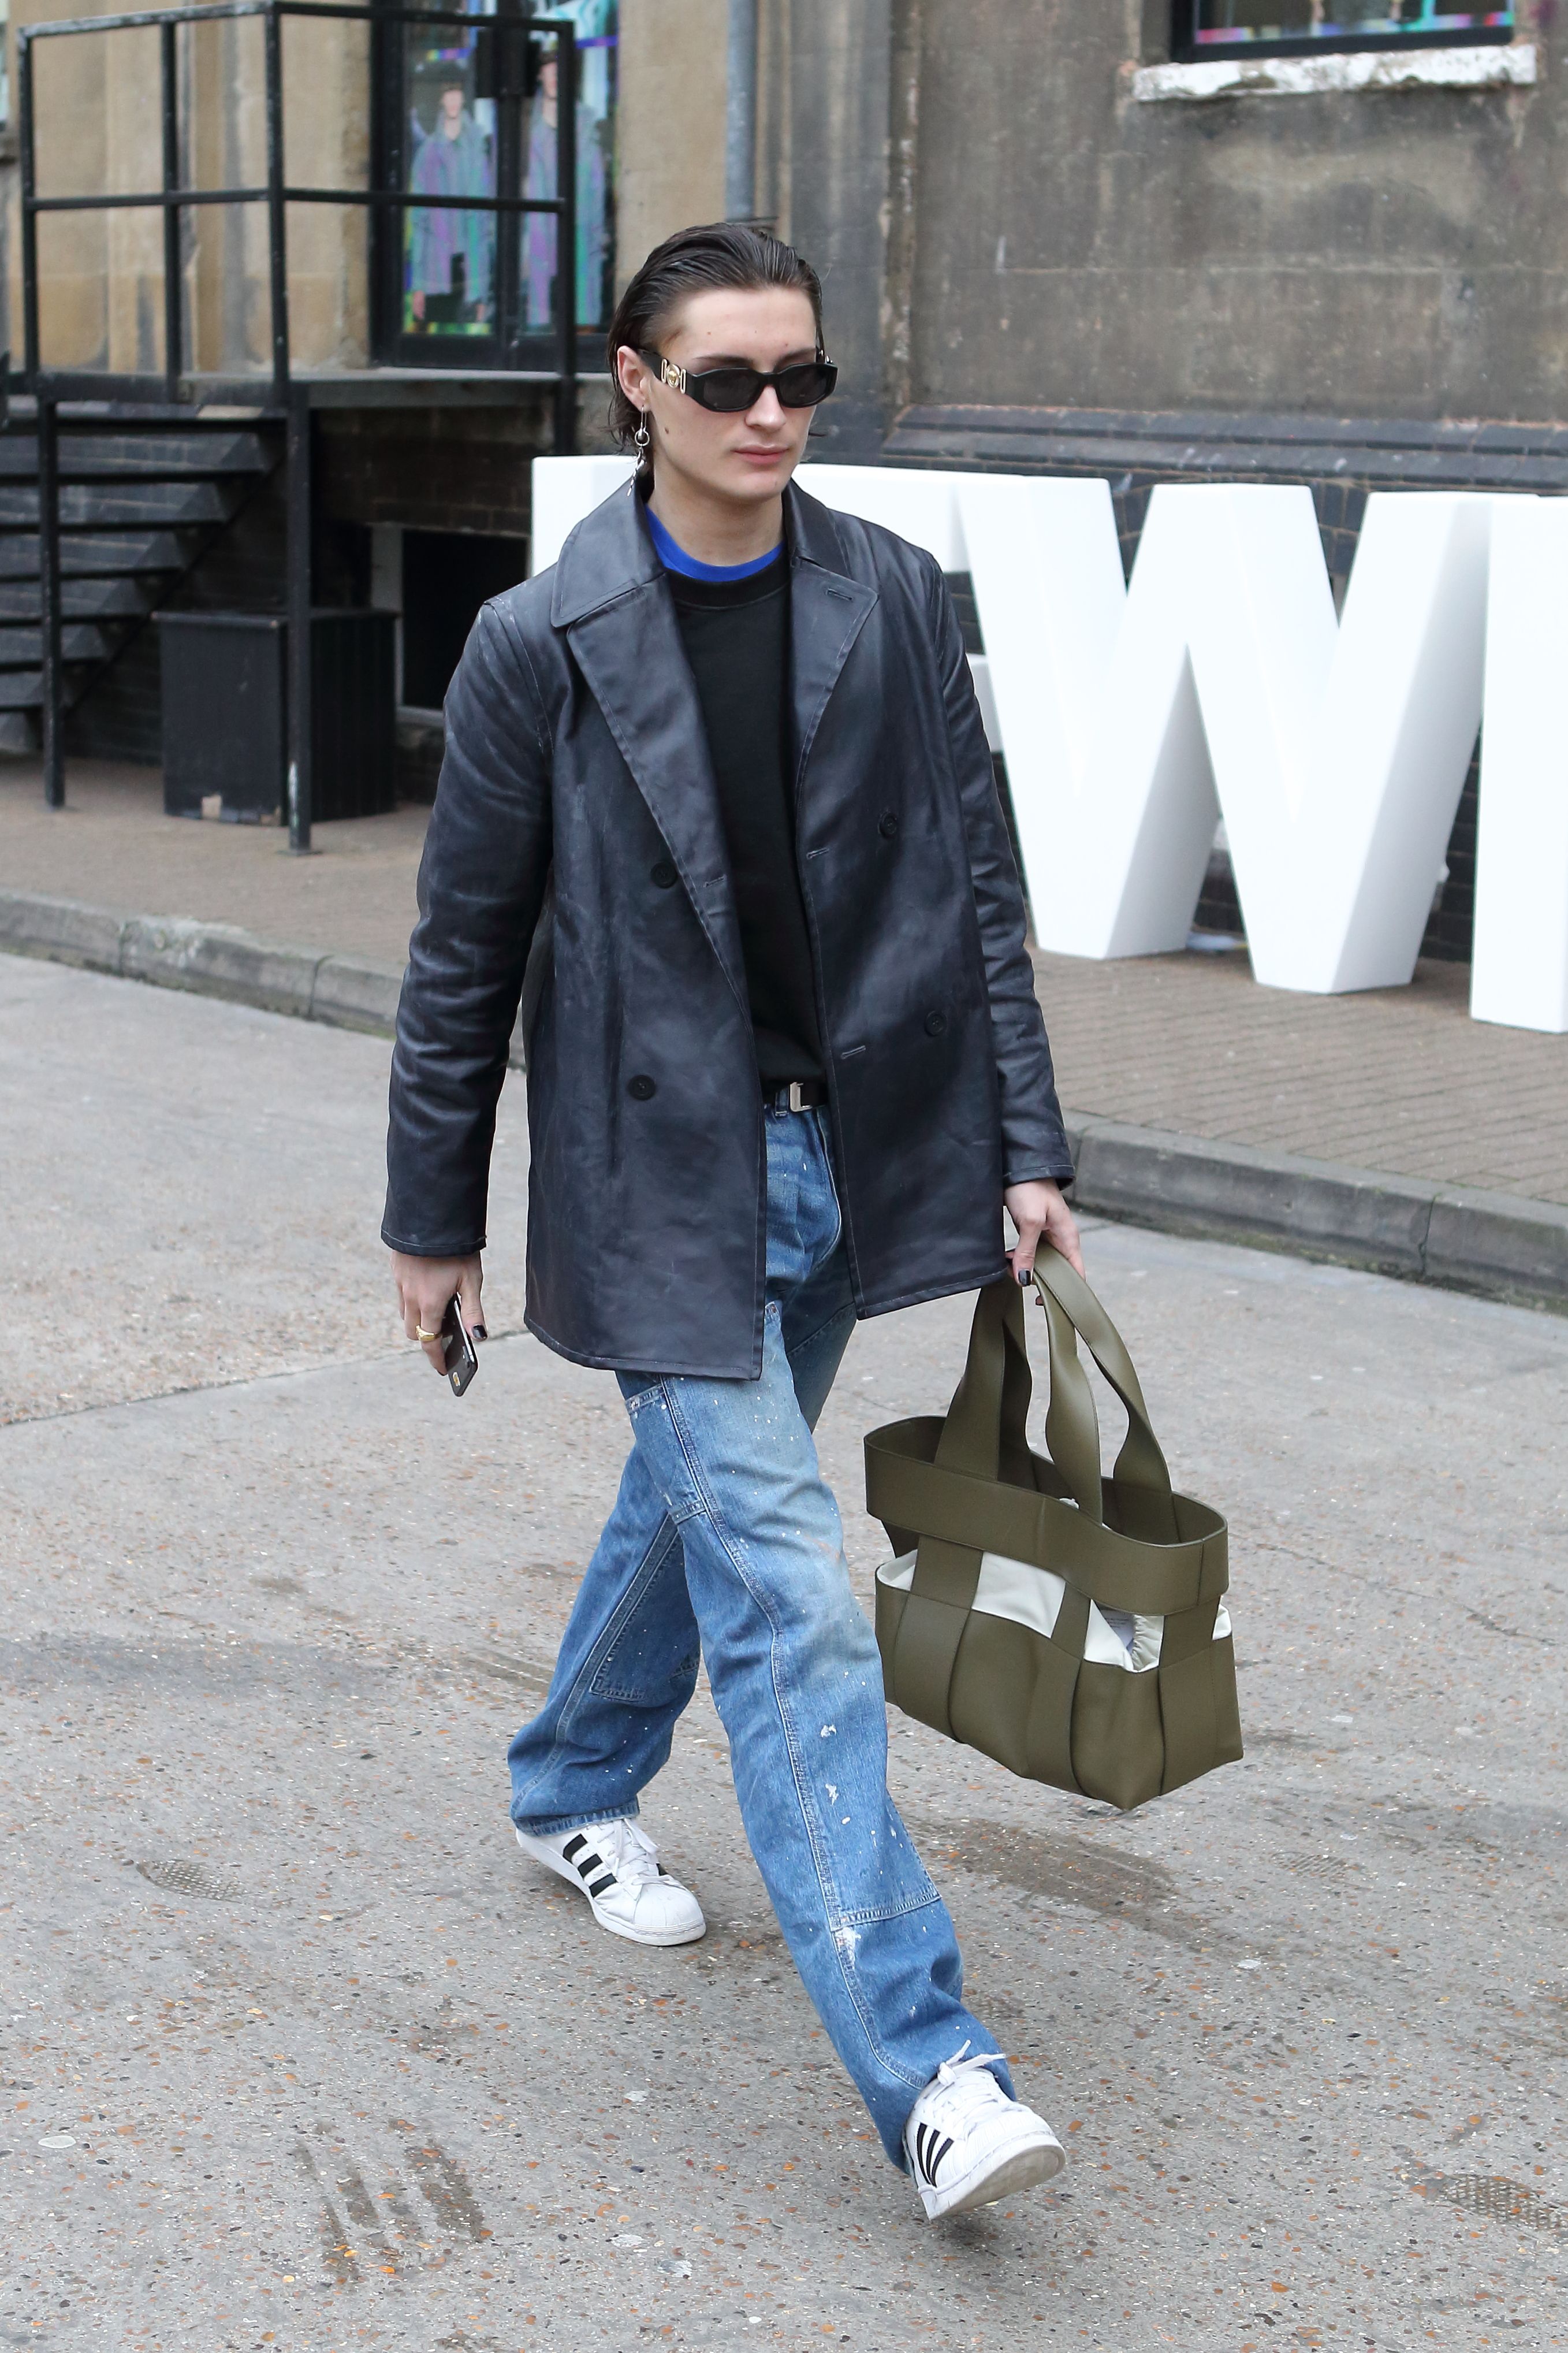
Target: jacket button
pixel 664 874
pixel 935 1024
pixel 642 1088
pixel 887 825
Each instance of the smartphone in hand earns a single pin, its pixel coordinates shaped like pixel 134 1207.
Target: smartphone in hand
pixel 459 1357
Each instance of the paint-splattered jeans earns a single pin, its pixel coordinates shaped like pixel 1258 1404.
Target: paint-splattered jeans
pixel 725 1529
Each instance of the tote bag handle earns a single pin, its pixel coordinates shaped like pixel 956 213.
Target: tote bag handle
pixel 985 1433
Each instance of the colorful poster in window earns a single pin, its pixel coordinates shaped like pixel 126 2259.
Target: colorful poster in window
pixel 595 23
pixel 1228 23
pixel 449 255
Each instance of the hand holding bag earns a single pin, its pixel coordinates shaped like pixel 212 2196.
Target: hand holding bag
pixel 1071 1627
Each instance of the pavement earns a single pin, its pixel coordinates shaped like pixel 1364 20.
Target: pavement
pixel 112 846
pixel 302 2053
pixel 1386 1130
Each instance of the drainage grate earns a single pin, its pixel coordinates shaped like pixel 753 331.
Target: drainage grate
pixel 1332 1870
pixel 1496 2199
pixel 193 1879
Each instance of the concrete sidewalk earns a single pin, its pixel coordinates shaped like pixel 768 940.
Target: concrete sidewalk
pixel 304 2054
pixel 1387 1129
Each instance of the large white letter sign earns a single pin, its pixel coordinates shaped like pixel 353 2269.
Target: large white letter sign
pixel 563 491
pixel 1520 974
pixel 1338 750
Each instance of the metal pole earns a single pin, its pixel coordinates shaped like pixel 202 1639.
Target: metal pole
pixel 276 210
pixel 174 329
pixel 512 57
pixel 301 779
pixel 566 237
pixel 740 113
pixel 29 217
pixel 52 680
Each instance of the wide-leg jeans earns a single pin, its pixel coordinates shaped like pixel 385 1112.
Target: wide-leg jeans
pixel 724 1536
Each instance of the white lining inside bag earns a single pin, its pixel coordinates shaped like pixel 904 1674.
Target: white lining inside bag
pixel 1032 1597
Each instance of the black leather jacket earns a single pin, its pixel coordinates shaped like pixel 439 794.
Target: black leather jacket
pixel 576 787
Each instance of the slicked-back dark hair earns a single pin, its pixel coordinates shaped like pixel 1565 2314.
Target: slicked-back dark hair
pixel 727 254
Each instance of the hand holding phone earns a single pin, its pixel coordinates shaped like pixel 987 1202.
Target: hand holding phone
pixel 459 1357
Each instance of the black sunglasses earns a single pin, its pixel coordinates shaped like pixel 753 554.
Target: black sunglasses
pixel 729 391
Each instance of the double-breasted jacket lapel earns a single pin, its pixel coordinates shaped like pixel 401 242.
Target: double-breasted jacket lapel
pixel 612 599
pixel 827 613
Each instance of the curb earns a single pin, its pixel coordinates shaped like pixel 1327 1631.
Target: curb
pixel 1497 1244
pixel 208 959
pixel 1500 1245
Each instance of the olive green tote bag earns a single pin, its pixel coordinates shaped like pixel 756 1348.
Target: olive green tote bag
pixel 1071 1627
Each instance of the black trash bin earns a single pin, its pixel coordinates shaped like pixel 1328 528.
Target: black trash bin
pixel 226 714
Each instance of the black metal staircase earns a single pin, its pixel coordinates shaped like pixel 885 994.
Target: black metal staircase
pixel 140 503
pixel 98 520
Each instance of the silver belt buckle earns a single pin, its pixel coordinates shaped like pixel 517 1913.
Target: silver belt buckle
pixel 797 1094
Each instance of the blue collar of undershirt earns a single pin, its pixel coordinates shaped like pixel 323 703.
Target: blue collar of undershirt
pixel 674 557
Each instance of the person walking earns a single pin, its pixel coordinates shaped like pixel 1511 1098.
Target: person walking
pixel 718 808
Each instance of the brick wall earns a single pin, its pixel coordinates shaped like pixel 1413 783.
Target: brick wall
pixel 445 468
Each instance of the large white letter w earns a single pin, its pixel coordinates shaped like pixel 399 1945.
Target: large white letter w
pixel 1336 748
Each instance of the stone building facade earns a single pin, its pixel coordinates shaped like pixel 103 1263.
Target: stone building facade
pixel 1157 239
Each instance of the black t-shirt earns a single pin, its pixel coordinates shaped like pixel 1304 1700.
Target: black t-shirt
pixel 736 634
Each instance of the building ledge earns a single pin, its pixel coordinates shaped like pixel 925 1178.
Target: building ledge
pixel 1145 446
pixel 1512 66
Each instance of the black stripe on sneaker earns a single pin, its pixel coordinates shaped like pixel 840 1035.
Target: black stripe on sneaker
pixel 570 1850
pixel 597 1886
pixel 590 1863
pixel 925 2141
pixel 937 2160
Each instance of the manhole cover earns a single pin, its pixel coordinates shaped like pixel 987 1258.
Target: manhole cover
pixel 193 1879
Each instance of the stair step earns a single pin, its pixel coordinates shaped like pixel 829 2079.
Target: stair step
pixel 108 505
pixel 125 599
pixel 22 643
pixel 138 504
pixel 83 556
pixel 110 457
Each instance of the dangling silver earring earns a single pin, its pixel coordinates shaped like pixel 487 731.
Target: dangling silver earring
pixel 642 437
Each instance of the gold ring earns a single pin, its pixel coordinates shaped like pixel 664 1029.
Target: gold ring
pixel 421 1333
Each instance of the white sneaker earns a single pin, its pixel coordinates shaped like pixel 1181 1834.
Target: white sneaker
pixel 969 2145
pixel 617 1866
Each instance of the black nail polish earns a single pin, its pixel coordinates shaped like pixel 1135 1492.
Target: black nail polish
pixel 480 1332
pixel 1024 1277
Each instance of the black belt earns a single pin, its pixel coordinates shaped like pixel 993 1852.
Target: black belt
pixel 800 1094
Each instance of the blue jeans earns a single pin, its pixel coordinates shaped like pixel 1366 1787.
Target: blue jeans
pixel 724 1531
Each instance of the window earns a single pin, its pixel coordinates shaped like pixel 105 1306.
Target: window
pixel 1218 28
pixel 447 576
pixel 472 112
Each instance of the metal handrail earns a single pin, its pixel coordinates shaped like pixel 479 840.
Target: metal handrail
pixel 172 199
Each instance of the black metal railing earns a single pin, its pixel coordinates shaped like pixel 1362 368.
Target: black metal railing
pixel 279 388
pixel 174 199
